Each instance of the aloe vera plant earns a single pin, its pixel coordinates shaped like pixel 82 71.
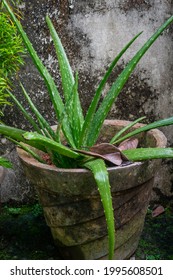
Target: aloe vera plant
pixel 81 132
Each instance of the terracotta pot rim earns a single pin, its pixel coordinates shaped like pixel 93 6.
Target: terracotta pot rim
pixel 31 161
pixel 157 134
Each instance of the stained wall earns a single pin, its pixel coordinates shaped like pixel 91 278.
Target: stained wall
pixel 93 32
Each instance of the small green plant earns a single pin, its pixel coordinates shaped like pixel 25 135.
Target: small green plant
pixel 5 163
pixel 3 94
pixel 156 239
pixel 11 54
pixel 81 133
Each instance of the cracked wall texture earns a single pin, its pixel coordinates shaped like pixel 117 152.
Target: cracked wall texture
pixel 93 32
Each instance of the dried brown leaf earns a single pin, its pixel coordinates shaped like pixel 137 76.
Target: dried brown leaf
pixel 107 152
pixel 104 148
pixel 158 211
pixel 114 158
pixel 129 144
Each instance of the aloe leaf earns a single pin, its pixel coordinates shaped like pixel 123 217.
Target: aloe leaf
pixel 99 170
pixel 141 154
pixel 22 109
pixel 65 70
pixel 50 144
pixel 5 163
pixel 43 123
pixel 27 149
pixel 31 152
pixel 123 130
pixel 52 89
pixel 73 119
pixel 94 103
pixel 12 132
pixel 75 122
pixel 117 86
pixel 73 127
pixel 64 124
pixel 17 134
pixel 160 123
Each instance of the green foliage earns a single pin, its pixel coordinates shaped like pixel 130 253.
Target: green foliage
pixel 165 122
pixel 11 54
pixel 141 154
pixel 35 210
pixel 80 133
pixel 5 163
pixel 11 46
pixel 24 234
pixel 156 240
pixel 100 173
pixel 3 94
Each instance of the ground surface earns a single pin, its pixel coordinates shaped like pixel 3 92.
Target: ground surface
pixel 24 235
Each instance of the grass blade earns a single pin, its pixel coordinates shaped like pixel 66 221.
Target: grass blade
pixel 94 103
pixel 160 123
pixel 117 86
pixel 98 168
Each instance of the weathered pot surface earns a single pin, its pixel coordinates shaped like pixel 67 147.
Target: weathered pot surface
pixel 72 205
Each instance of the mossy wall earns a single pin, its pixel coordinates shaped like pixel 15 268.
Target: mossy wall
pixel 93 32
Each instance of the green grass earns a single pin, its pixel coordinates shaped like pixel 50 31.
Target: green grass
pixel 25 235
pixel 156 242
pixel 11 55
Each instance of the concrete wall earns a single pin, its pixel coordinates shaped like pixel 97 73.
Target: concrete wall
pixel 93 32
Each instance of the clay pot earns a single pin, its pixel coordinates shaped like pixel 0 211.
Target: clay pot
pixel 72 205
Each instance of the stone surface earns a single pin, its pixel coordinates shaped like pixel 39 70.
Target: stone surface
pixel 14 186
pixel 2 174
pixel 93 32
